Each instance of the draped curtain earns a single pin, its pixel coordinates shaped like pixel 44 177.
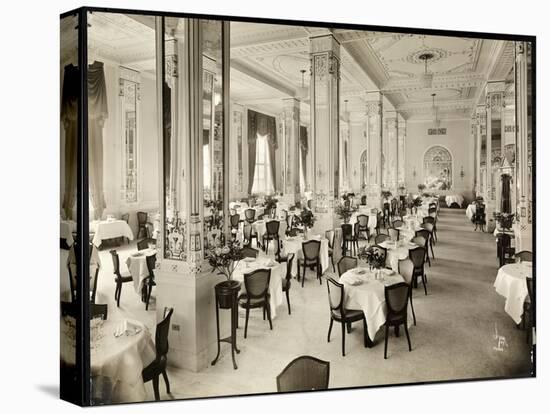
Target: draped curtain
pixel 303 149
pixel 265 125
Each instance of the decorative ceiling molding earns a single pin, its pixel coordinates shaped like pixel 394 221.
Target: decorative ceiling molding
pixel 440 81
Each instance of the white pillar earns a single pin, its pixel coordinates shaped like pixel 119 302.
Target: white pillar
pixel 401 138
pixel 374 136
pixel 495 99
pixel 291 160
pixel 392 150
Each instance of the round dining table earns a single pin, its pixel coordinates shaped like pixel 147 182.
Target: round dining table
pixel 116 362
pixel 137 266
pixel 362 291
pixel 511 283
pixel 396 252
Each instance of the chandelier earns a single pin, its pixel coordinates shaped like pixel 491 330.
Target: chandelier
pixel 302 92
pixel 436 121
pixel 425 79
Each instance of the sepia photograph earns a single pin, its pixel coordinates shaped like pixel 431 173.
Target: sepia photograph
pixel 257 206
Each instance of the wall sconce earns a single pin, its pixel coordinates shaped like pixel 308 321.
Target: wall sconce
pixel 414 172
pixel 462 174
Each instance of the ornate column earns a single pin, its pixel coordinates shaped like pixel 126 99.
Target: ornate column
pixel 291 160
pixel 481 132
pixel 391 124
pixel 401 138
pixel 523 228
pixel 473 132
pixel 374 136
pixel 324 90
pixel 494 96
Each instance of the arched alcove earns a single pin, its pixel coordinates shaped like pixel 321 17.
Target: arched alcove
pixel 438 168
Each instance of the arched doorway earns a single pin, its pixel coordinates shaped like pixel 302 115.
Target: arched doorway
pixel 364 169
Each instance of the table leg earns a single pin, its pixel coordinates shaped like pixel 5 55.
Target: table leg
pixel 368 342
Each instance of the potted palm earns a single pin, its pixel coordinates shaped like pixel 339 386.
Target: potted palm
pixel 344 212
pixel 224 259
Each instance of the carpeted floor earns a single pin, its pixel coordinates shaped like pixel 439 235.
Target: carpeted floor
pixel 454 337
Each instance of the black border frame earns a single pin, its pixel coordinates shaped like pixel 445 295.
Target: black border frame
pixel 83 335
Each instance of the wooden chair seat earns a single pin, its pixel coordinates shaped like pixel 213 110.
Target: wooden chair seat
pixel 254 302
pixel 351 315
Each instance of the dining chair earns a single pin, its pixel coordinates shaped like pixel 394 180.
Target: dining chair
pixel 430 228
pixel 432 210
pixel 144 244
pixel 149 281
pixel 362 226
pixel 346 263
pixel 529 308
pixel 305 373
pixel 397 224
pixel 234 221
pixel 397 298
pixel 431 220
pixel 143 224
pixel 348 238
pixel 100 310
pixel 339 313
pixel 418 257
pixel 155 369
pixel 126 217
pixel 419 241
pixel 250 215
pixel 93 284
pixel 120 279
pixel 394 207
pixel 524 256
pixel 257 295
pixel 386 210
pixel 310 258
pixel 248 251
pixel 272 233
pixel 479 217
pixel 288 277
pixel 330 235
pixel 248 235
pixel 406 269
pixel 426 235
pixel 380 238
pixel 505 251
pixel 393 233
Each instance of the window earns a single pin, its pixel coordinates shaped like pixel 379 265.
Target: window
pixel 263 182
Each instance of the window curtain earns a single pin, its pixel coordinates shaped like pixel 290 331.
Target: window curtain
pixel 97 113
pixel 303 149
pixel 266 125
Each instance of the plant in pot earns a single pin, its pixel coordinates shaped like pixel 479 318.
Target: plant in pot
pixel 344 212
pixel 224 259
pixel 505 220
pixel 306 219
pixel 270 205
pixel 373 257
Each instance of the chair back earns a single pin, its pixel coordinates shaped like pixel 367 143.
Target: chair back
pixel 330 234
pixel 98 310
pixel 397 224
pixel 380 238
pixel 142 217
pixel 161 334
pixel 347 231
pixel 151 262
pixel 125 217
pixel 428 220
pixel 289 260
pixel 524 256
pixel 427 226
pixel 346 263
pixel 363 221
pixel 417 256
pixel 406 269
pixel 304 373
pixel 432 210
pixel 393 233
pixel 116 263
pixel 423 233
pixel 364 200
pixel 257 283
pixel 93 285
pixel 397 297
pixel 234 220
pixel 144 244
pixel 310 204
pixel 272 228
pixel 311 249
pixel 248 251
pixel 247 233
pixel 335 296
pixel 250 215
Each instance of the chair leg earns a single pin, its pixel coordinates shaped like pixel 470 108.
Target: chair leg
pixel 432 248
pixel 269 316
pixel 150 288
pixel 329 329
pixel 156 387
pixel 263 311
pixel 332 260
pixel 165 376
pixel 407 334
pixel 119 294
pixel 288 300
pixel 428 256
pixel 424 283
pixel 246 322
pixel 303 274
pixel 386 342
pixel 343 339
pixel 412 308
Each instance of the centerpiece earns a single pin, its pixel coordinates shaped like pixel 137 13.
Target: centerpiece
pixel 344 211
pixel 374 258
pixel 270 206
pixel 306 219
pixel 417 202
pixel 505 220
pixel 224 259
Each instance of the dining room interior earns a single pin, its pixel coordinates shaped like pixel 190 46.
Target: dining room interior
pixel 256 189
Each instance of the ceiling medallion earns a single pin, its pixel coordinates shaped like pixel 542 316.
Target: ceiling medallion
pixel 436 54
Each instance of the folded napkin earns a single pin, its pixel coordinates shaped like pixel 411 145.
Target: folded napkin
pixel 128 328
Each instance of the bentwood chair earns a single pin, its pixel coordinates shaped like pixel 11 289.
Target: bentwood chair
pixel 505 251
pixel 234 221
pixel 330 235
pixel 288 277
pixel 529 308
pixel 426 235
pixel 380 238
pixel 149 281
pixel 430 228
pixel 479 217
pixel 120 279
pixel 126 217
pixel 100 310
pixel 247 234
pixel 431 220
pixel 248 251
pixel 257 295
pixel 397 297
pixel 304 373
pixel 524 256
pixel 418 257
pixel 144 244
pixel 348 238
pixel 339 313
pixel 250 215
pixel 272 233
pixel 143 224
pixel 393 233
pixel 406 269
pixel 346 263
pixel 155 369
pixel 379 219
pixel 362 227
pixel 387 214
pixel 397 224
pixel 310 251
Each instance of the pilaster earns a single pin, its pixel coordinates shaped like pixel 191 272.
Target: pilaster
pixel 374 136
pixel 291 159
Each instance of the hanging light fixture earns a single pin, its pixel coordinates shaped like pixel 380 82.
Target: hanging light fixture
pixel 302 92
pixel 425 79
pixel 346 113
pixel 434 112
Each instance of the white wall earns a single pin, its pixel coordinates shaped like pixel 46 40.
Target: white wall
pixel 358 144
pixel 458 141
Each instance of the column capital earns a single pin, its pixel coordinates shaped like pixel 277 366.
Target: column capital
pixel 323 44
pixel 373 108
pixel 290 103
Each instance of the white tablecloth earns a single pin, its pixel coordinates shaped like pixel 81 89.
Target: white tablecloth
pixel 240 212
pixel 470 211
pixel 394 253
pixel 137 265
pixel 278 273
pixel 510 283
pixel 66 231
pixel 110 230
pixel 368 296
pixel 454 198
pixel 371 216
pixel 294 245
